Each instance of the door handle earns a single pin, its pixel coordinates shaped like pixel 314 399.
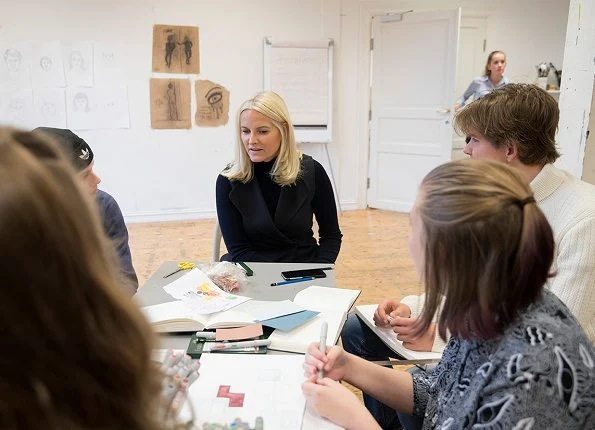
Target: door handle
pixel 443 110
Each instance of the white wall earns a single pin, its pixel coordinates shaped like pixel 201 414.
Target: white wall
pixel 170 174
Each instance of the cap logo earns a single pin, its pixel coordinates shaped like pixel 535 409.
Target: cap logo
pixel 84 154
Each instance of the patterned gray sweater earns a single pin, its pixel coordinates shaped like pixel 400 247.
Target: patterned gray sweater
pixel 540 374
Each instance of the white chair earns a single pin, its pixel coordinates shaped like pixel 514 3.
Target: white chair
pixel 216 242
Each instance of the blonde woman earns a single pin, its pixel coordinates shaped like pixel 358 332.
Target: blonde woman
pixel 268 196
pixel 492 78
pixel 75 348
pixel 517 357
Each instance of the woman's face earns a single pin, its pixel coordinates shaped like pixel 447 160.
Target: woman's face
pixel 260 137
pixel 497 64
pixel 415 241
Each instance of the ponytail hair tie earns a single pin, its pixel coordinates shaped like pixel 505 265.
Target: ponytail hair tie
pixel 521 203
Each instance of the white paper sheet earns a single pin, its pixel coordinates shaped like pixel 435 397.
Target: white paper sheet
pixel 78 63
pixel 16 109
pixel 46 65
pixel 15 65
pixel 103 107
pixel 271 385
pixel 201 294
pixel 50 107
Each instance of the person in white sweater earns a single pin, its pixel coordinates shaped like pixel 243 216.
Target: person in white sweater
pixel 516 125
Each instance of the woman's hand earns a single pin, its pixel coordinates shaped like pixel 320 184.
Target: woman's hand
pixel 403 327
pixel 331 400
pixel 333 363
pixel 388 310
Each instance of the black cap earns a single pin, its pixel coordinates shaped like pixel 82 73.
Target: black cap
pixel 78 150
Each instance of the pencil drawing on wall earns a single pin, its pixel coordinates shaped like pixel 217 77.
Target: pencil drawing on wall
pixel 175 49
pixel 212 104
pixel 170 103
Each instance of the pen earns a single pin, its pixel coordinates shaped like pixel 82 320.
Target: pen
pixel 291 281
pixel 236 345
pixel 322 345
pixel 249 272
pixel 205 335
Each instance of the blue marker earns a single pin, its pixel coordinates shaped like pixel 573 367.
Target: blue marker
pixel 291 281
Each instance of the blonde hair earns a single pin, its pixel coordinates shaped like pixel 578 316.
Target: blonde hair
pixel 286 168
pixel 488 248
pixel 76 348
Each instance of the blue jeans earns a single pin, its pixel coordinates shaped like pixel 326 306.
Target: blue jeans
pixel 359 340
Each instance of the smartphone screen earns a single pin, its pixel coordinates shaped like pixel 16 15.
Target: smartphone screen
pixel 293 274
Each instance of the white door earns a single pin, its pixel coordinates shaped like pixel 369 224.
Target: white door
pixel 471 60
pixel 413 79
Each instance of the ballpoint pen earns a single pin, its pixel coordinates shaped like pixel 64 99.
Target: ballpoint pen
pixel 236 345
pixel 322 345
pixel 291 281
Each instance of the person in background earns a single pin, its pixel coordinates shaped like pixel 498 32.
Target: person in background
pixel 267 197
pixel 492 78
pixel 82 159
pixel 75 349
pixel 517 357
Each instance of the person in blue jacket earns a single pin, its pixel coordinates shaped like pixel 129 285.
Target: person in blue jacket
pixel 492 78
pixel 268 196
pixel 82 158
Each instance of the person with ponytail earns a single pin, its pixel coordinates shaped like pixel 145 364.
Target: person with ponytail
pixel 267 198
pixel 516 358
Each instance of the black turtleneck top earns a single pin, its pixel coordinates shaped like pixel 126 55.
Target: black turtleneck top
pixel 251 230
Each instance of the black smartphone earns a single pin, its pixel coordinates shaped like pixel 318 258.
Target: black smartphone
pixel 294 274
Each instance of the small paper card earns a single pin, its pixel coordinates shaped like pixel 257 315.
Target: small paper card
pixel 289 322
pixel 247 332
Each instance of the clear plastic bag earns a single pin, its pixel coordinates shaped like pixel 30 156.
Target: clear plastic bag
pixel 227 276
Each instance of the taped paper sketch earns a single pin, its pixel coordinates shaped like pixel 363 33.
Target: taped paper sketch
pixel 50 107
pixel 81 111
pixel 107 63
pixel 212 104
pixel 78 64
pixel 15 70
pixel 175 49
pixel 104 107
pixel 170 103
pixel 256 388
pixel 46 65
pixel 16 109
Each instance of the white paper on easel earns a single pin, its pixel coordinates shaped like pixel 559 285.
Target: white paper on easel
pixel 267 386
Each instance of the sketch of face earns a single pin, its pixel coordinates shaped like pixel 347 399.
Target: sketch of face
pixel 45 63
pixel 76 61
pixel 12 58
pixel 16 108
pixel 81 102
pixel 214 98
pixel 108 57
pixel 48 109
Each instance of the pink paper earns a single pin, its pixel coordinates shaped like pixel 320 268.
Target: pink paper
pixel 246 332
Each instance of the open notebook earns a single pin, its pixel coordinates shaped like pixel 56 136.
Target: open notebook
pixel 176 316
pixel 366 314
pixel 333 305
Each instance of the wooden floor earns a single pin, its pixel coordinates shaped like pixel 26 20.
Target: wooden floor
pixel 374 255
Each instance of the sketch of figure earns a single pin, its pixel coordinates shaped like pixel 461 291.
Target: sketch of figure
pixel 16 109
pixel 79 64
pixel 172 103
pixel 12 59
pixel 48 109
pixel 187 48
pixel 76 62
pixel 80 102
pixel 170 46
pixel 46 63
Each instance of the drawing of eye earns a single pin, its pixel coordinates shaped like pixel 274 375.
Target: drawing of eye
pixel 214 95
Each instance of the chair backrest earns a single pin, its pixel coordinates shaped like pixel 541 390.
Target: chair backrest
pixel 216 242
